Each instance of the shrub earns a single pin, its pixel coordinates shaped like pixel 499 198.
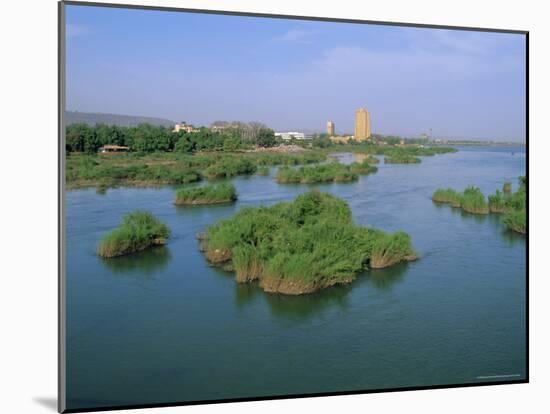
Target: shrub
pixel 516 220
pixel 447 196
pixel 473 201
pixel 208 194
pixel 301 246
pixel 138 231
pixel 333 172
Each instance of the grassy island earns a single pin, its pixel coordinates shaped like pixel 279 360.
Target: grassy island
pixel 399 158
pixel 263 170
pixel 138 231
pixel 447 196
pixel 104 171
pixel 301 246
pixel 364 167
pixel 511 205
pixel 473 201
pixel 470 200
pixel 207 194
pixel 325 173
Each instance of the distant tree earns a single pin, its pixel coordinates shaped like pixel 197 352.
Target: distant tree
pixel 321 141
pixel 265 138
pixel 231 143
pixel 184 143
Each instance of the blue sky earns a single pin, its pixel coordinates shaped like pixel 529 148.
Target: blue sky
pixel 295 75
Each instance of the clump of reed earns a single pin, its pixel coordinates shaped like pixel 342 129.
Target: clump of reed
pixel 364 167
pixel 138 231
pixel 206 194
pixel 324 173
pixel 513 205
pixel 401 158
pixel 473 201
pixel 301 246
pixel 391 249
pixel 227 167
pixel 263 170
pixel 447 196
pixel 516 220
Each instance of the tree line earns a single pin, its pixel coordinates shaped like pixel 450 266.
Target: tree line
pixel 151 138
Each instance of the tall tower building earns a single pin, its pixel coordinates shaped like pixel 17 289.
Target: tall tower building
pixel 330 128
pixel 362 125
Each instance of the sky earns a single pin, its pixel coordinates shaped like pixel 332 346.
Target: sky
pixel 296 74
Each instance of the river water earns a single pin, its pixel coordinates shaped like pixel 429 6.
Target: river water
pixel 163 326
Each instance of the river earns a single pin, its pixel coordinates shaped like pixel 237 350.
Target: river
pixel 163 326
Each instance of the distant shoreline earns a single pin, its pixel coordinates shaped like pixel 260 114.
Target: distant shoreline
pixel 480 144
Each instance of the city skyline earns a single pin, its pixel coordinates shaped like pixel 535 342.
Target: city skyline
pixel 295 75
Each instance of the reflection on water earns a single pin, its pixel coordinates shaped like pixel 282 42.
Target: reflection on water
pixel 306 306
pixel 145 263
pixel 513 238
pixel 293 307
pixel 384 279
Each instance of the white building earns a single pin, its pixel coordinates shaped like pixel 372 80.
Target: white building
pixel 184 127
pixel 287 136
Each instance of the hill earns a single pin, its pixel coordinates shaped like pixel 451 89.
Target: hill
pixel 92 118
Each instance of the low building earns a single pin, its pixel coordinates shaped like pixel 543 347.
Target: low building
pixel 287 136
pixel 184 127
pixel 113 148
pixel 341 139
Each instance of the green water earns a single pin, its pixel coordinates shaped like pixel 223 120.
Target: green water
pixel 163 326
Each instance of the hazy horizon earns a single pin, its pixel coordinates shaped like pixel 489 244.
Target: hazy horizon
pixel 296 75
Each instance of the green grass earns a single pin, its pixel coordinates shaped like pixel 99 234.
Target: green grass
pixel 138 231
pixel 228 167
pixel 364 167
pixel 447 196
pixel 512 205
pixel 136 169
pixel 473 201
pixel 403 158
pixel 207 194
pixel 263 170
pixel 333 172
pixel 301 246
pixel 516 220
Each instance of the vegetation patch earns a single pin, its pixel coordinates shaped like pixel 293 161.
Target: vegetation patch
pixel 447 196
pixel 401 158
pixel 228 167
pixel 138 231
pixel 512 205
pixel 207 194
pixel 301 246
pixel 160 168
pixel 470 200
pixel 364 167
pixel 263 170
pixel 324 173
pixel 473 201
